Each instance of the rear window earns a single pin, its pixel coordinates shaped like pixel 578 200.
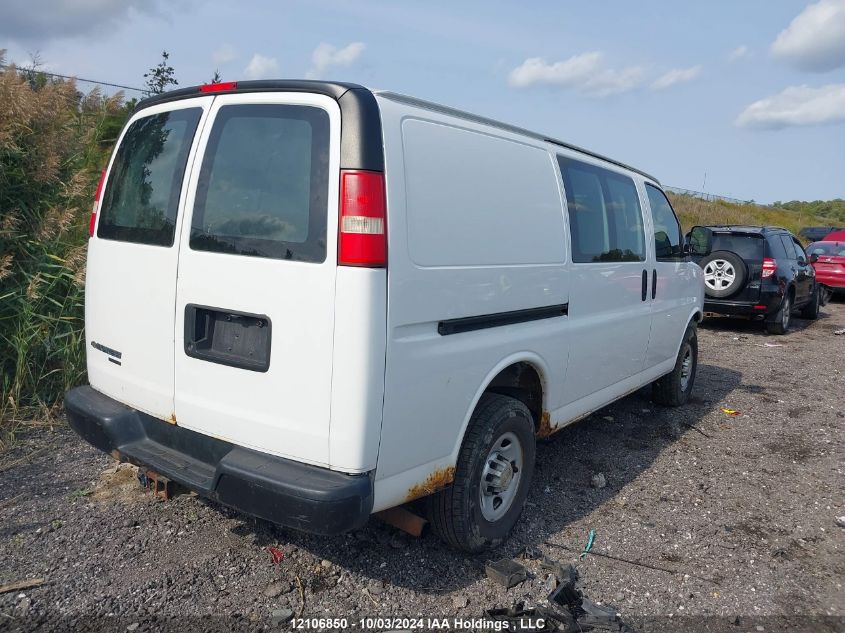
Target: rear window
pixel 141 197
pixel 831 249
pixel 263 186
pixel 749 247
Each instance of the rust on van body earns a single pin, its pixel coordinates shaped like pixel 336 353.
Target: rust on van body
pixel 171 419
pixel 437 480
pixel 544 429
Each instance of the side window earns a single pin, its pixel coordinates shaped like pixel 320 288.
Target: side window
pixel 605 218
pixel 667 230
pixel 263 186
pixel 787 245
pixel 799 250
pixel 141 197
pixel 776 248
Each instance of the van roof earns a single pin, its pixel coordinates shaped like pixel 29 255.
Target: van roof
pixel 436 107
pixel 336 90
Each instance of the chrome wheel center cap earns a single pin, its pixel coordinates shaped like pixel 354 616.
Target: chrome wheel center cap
pixel 503 475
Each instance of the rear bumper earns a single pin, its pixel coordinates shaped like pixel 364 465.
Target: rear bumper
pixel 283 491
pixel 767 303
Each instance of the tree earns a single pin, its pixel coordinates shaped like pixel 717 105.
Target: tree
pixel 161 76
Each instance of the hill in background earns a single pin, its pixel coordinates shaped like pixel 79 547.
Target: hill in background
pixel 790 215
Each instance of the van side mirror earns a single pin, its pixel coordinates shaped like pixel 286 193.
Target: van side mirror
pixel 814 258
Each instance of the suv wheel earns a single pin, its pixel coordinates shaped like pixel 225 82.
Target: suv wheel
pixel 673 389
pixel 811 310
pixel 780 323
pixel 492 477
pixel 724 274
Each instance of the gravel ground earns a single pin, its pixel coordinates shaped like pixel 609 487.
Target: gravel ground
pixel 731 518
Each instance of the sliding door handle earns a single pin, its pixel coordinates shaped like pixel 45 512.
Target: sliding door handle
pixel 645 285
pixel 653 284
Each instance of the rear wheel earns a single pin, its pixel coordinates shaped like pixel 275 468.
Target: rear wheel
pixel 811 310
pixel 492 477
pixel 780 323
pixel 673 389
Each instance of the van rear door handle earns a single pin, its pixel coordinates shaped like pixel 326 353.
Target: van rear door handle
pixel 653 283
pixel 645 285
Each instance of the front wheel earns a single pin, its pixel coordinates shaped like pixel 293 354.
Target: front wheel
pixel 673 389
pixel 492 477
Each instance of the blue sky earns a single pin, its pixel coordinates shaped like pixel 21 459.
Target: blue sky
pixel 749 92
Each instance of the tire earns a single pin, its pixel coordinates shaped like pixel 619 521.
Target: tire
pixel 462 515
pixel 811 310
pixel 674 389
pixel 825 294
pixel 724 274
pixel 780 322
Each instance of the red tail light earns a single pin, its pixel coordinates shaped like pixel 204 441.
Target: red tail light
pixel 362 239
pixel 93 221
pixel 223 86
pixel 769 267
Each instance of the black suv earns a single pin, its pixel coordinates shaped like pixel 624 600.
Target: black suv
pixel 757 271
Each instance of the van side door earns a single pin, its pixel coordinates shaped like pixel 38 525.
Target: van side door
pixel 609 304
pixel 670 280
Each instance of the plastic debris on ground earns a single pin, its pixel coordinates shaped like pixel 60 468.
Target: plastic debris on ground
pixel 731 412
pixel 506 572
pixel 277 554
pixel 590 538
pixel 839 332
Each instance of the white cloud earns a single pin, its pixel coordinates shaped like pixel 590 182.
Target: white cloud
pixel 48 19
pixel 676 76
pixel 740 52
pixel 326 56
pixel 586 73
pixel 261 67
pixel 797 105
pixel 224 54
pixel 815 39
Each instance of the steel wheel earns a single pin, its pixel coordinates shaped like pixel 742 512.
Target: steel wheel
pixel 787 312
pixel 719 274
pixel 686 367
pixel 500 476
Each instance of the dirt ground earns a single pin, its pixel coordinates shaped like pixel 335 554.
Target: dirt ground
pixel 721 521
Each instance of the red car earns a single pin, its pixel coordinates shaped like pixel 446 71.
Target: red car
pixel 828 259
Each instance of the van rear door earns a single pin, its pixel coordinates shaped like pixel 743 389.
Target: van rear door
pixel 257 267
pixel 130 288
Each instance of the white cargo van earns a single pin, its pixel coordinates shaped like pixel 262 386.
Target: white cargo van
pixel 311 302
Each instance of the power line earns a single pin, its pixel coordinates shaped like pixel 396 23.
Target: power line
pixel 90 81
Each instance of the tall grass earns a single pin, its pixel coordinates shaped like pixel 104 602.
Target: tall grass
pixel 52 144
